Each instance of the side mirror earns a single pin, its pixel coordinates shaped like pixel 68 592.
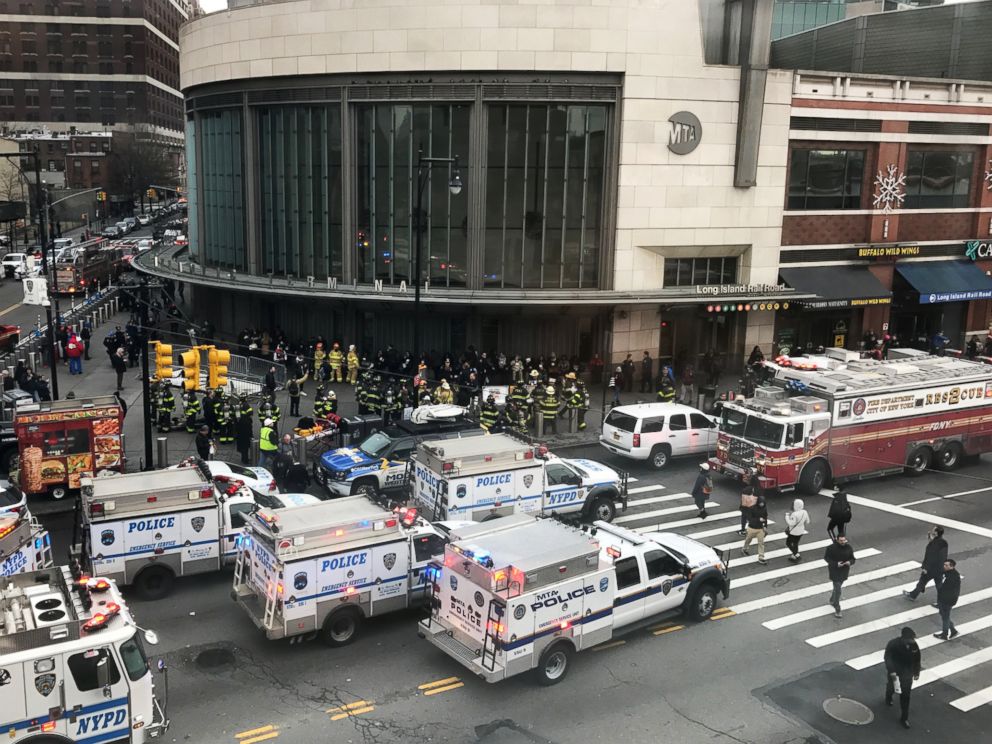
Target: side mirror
pixel 151 637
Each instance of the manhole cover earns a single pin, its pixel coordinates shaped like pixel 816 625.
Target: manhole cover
pixel 848 711
pixel 214 657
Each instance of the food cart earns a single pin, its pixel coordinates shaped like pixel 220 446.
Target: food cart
pixel 60 442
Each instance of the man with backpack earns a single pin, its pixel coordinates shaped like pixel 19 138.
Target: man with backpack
pixel 839 515
pixel 295 389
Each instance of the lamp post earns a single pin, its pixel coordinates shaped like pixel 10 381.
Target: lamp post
pixel 424 166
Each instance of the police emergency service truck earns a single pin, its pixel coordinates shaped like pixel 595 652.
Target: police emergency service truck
pixel 522 593
pixel 488 477
pixel 72 663
pixel 379 464
pixel 148 528
pixel 322 569
pixel 24 545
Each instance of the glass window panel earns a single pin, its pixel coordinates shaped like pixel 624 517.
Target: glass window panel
pixel 595 173
pixel 528 128
pixel 671 272
pixel 729 270
pixel 555 197
pixel 382 229
pixel 938 179
pixel 798 162
pixel 459 205
pixel 962 185
pixel 493 261
pixel 699 271
pixel 575 185
pixel 825 181
pixel 223 199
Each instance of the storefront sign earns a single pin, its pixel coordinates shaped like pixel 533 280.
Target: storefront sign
pixel 856 302
pixel 978 250
pixel 971 294
pixel 723 290
pixel 888 251
pixel 685 134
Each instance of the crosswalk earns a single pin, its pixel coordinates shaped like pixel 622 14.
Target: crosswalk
pixel 872 601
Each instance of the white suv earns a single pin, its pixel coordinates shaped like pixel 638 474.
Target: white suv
pixel 656 432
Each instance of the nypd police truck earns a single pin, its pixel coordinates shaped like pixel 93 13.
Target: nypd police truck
pixel 321 570
pixel 24 544
pixel 522 594
pixel 378 465
pixel 488 477
pixel 145 529
pixel 72 663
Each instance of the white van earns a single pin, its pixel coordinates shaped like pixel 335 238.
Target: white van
pixel 657 432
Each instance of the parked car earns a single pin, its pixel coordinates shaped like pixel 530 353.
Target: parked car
pixel 14 262
pixel 181 240
pixel 124 227
pixel 144 219
pixel 656 432
pixel 132 223
pixel 112 231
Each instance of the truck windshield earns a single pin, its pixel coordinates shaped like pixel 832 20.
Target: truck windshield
pixel 733 421
pixel 763 432
pixel 134 659
pixel 375 445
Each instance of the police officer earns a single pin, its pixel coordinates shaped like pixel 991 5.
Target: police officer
pixel 549 407
pixel 191 409
pixel 489 413
pixel 336 359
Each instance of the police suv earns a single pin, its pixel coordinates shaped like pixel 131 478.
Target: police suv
pixel 489 477
pixel 378 465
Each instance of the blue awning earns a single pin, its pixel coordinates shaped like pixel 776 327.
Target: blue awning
pixel 947 281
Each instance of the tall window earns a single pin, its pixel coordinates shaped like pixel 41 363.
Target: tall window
pixel 825 179
pixel 389 137
pixel 300 190
pixel 938 179
pixel 544 195
pixel 688 272
pixel 223 200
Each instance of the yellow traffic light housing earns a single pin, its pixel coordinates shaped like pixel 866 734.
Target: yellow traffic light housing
pixel 218 359
pixel 191 369
pixel 163 361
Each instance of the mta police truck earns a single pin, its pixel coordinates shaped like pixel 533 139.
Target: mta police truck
pixel 72 663
pixel 488 477
pixel 24 544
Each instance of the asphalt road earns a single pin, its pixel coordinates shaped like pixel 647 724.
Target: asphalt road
pixel 760 672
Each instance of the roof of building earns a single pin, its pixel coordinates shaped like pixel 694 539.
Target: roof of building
pixel 946 41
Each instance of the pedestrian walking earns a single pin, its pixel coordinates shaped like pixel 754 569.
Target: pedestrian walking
pixel 933 563
pixel 269 385
pixel 796 523
pixel 839 556
pixel 947 596
pixel 702 488
pixel 757 528
pixel 204 444
pixel 86 334
pixel 616 385
pixel 242 437
pixel 120 366
pixel 839 515
pixel 748 499
pixel 902 666
pixel 295 389
pixel 74 351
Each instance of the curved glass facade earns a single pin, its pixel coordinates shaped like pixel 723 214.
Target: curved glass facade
pixel 310 183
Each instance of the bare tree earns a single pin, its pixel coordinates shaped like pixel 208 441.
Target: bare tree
pixel 12 187
pixel 137 162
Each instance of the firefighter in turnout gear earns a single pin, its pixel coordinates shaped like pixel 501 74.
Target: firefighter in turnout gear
pixel 392 407
pixel 191 409
pixel 423 394
pixel 336 359
pixel 666 390
pixel 362 390
pixel 373 395
pixel 325 405
pixel 352 365
pixel 519 414
pixel 577 399
pixel 549 407
pixel 231 407
pixel 222 411
pixel 274 411
pixel 443 394
pixel 318 359
pixel 209 412
pixel 489 413
pixel 245 405
pixel 166 402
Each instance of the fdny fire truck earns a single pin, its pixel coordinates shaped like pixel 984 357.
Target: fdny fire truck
pixel 840 418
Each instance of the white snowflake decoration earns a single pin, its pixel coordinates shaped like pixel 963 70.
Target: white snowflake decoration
pixel 891 193
pixel 988 176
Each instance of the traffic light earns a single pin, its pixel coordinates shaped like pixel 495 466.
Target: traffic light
pixel 163 361
pixel 152 194
pixel 101 196
pixel 218 360
pixel 191 369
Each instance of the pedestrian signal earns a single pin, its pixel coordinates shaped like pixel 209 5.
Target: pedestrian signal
pixel 218 359
pixel 191 369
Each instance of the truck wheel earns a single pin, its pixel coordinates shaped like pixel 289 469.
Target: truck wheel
pixel 659 456
pixel 368 490
pixel 949 456
pixel 919 461
pixel 702 604
pixel 554 664
pixel 813 478
pixel 154 583
pixel 341 627
pixel 603 509
pixel 58 492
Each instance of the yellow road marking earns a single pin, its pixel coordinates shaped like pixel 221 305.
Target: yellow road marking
pixel 263 737
pixel 253 732
pixel 663 625
pixel 604 646
pixel 12 307
pixel 718 615
pixel 672 629
pixel 439 683
pixel 446 688
pixel 350 706
pixel 354 712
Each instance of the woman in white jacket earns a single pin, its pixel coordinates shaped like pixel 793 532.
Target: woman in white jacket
pixel 796 523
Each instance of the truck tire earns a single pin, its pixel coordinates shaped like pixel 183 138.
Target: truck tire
pixel 919 461
pixel 58 492
pixel 813 478
pixel 367 489
pixel 702 604
pixel 154 582
pixel 603 509
pixel 554 664
pixel 660 456
pixel 341 627
pixel 949 456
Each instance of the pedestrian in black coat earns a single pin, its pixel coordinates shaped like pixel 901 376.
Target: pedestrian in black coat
pixel 839 556
pixel 839 515
pixel 947 596
pixel 902 665
pixel 203 443
pixel 242 438
pixel 120 366
pixel 933 563
pixel 702 488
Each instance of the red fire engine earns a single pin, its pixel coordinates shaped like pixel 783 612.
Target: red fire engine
pixel 839 418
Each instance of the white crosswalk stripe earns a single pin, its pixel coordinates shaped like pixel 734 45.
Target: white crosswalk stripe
pixel 877 657
pixel 667 526
pixel 769 554
pixel 860 601
pixel 662 512
pixel 645 489
pixel 633 503
pixel 974 700
pixel 789 570
pixel 768 538
pixel 962 663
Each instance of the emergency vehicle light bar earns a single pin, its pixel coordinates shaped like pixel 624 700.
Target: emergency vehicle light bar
pixel 8 528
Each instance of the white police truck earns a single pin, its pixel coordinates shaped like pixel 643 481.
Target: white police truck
pixel 24 544
pixel 523 593
pixel 488 477
pixel 72 663
pixel 321 570
pixel 145 529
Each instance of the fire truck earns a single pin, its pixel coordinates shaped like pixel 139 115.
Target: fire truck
pixel 86 266
pixel 72 662
pixel 839 418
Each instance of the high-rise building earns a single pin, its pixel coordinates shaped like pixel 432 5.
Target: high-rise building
pixel 794 16
pixel 91 64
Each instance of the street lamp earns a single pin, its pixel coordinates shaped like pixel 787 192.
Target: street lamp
pixel 455 186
